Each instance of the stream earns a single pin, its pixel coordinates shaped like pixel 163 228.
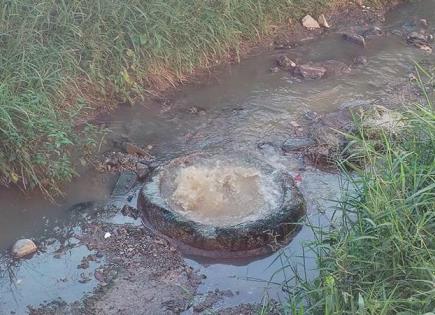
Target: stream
pixel 239 107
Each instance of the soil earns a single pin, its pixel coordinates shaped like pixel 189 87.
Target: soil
pixel 144 274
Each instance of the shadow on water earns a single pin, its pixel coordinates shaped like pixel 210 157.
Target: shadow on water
pixel 246 105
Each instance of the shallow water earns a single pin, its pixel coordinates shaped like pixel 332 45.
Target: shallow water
pixel 238 108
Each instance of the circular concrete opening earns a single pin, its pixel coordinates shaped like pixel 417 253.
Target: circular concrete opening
pixel 222 202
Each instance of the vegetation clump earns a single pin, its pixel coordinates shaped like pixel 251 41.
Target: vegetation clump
pixel 380 257
pixel 60 60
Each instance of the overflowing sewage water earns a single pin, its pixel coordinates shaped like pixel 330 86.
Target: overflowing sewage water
pixel 219 195
pixel 242 106
pixel 220 192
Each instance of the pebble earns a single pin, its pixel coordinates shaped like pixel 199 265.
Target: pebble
pixel 274 69
pixel 313 72
pixel 285 62
pixel 423 22
pixel 360 60
pixel 24 247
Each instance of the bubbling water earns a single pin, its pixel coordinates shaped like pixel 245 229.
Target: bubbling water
pixel 221 194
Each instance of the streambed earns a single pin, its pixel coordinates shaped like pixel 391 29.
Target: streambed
pixel 242 106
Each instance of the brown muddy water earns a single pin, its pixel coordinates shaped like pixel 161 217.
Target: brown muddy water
pixel 238 108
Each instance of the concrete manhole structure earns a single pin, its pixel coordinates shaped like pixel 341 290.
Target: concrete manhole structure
pixel 229 203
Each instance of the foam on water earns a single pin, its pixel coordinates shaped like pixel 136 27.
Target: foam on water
pixel 222 194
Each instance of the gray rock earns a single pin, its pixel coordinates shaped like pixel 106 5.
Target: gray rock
pixel 328 133
pixel 24 247
pixel 420 41
pixel 112 161
pixel 294 144
pixel 311 115
pixel 142 171
pixel 125 182
pixel 360 60
pixel 373 31
pixel 415 36
pixel 285 62
pixel 378 120
pixel 354 38
pixel 424 22
pixel 334 67
pixel 397 33
pixel 311 71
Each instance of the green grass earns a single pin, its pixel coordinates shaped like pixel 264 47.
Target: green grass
pixel 61 59
pixel 380 258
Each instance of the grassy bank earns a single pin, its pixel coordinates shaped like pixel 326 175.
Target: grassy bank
pixel 62 59
pixel 380 258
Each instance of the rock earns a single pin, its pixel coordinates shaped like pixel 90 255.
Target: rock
pixel 323 22
pixel 397 33
pixel 142 171
pixel 311 115
pixel 284 44
pixel 424 23
pixel 412 77
pixel 268 148
pixel 378 120
pixel 84 264
pixel 23 248
pixel 328 133
pixel 111 161
pixel 426 48
pixel 419 40
pixel 310 23
pixel 415 36
pixel 192 110
pixel 84 278
pixel 334 67
pixel 130 212
pixel 125 182
pixel 354 38
pixel 373 31
pixel 311 71
pixel 99 275
pixel 360 60
pixel 285 62
pixel 359 2
pixel 294 144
